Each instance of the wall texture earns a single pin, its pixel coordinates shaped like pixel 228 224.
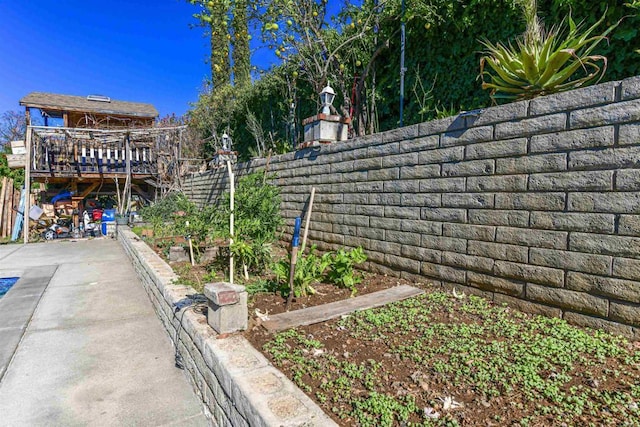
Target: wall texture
pixel 535 203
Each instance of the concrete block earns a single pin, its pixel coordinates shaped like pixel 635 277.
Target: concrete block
pixel 630 88
pixel 578 301
pixel 620 112
pixel 340 167
pixel 626 268
pixel 443 243
pixel 470 168
pixel 421 254
pixel 370 233
pixel 420 144
pixel 468 262
pixel 402 237
pixel 402 263
pixel 470 232
pixel 382 150
pixel 629 225
pixel 385 223
pixel 442 155
pixel 443 214
pixel 441 125
pixel 438 185
pixel 178 254
pixel 629 134
pixel 367 164
pixel 402 212
pixel 468 200
pixel 385 199
pixel 529 273
pixel 227 307
pixel 432 200
pixel 498 251
pixel 497 183
pixel 383 174
pixel 369 187
pixel 408 159
pixel 626 290
pixel 573 140
pixel 359 220
pixel 598 324
pixel 527 306
pixel 400 134
pixel 532 126
pixel 533 238
pixel 386 247
pixel 587 222
pixel 422 227
pixel 575 261
pixel 355 153
pixel 496 149
pixel 401 186
pixel 572 181
pixel 530 201
pixel 501 113
pixel 625 313
pixel 466 136
pixel 579 98
pixel 419 171
pixel 443 272
pixel 499 217
pixel 608 158
pixel 628 180
pixel 531 164
pixel 344 230
pixel 355 176
pixel 605 202
pixel 495 284
pixel 605 244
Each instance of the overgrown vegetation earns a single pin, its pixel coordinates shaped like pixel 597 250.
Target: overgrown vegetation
pixel 443 360
pixel 443 36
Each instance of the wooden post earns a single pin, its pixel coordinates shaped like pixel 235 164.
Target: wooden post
pixel 3 190
pixel 232 193
pixel 306 224
pixel 27 186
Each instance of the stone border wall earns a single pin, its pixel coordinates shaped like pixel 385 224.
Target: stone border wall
pixel 535 203
pixel 237 384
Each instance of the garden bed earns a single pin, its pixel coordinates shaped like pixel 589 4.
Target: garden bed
pixel 445 359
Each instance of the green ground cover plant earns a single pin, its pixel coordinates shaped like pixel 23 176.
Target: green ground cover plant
pixel 445 360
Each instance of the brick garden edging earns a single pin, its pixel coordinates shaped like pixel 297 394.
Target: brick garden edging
pixel 236 383
pixel 534 203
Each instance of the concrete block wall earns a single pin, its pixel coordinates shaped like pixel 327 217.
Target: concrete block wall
pixel 534 203
pixel 236 383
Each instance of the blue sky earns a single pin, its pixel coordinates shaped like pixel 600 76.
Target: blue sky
pixel 131 50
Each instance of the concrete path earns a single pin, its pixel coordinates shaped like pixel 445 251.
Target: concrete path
pixel 93 352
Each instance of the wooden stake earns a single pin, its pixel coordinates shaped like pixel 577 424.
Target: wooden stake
pixel 193 260
pixel 295 241
pixel 27 186
pixel 308 219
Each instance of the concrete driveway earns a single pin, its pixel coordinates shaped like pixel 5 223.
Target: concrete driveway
pixel 80 343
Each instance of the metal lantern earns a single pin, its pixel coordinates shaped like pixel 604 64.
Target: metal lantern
pixel 326 99
pixel 226 142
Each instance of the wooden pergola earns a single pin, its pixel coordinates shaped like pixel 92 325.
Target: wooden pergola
pixel 104 147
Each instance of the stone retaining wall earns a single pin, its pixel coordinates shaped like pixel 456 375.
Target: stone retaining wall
pixel 237 384
pixel 534 203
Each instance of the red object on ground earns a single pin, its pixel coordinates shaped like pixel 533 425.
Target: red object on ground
pixel 97 215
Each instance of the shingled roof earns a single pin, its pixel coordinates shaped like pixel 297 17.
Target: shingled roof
pixel 55 102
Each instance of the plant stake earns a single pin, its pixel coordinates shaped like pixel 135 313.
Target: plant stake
pixel 308 219
pixel 294 258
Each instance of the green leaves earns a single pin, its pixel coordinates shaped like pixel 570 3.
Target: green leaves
pixel 544 62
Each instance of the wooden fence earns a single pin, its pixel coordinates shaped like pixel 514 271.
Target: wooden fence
pixel 9 200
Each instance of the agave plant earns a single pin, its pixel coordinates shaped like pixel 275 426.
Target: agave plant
pixel 543 62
